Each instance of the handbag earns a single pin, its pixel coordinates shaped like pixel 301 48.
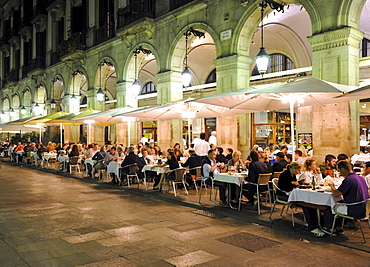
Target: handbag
pixel 100 165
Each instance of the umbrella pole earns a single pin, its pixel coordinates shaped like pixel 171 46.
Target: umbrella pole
pixel 40 135
pixel 128 133
pixel 292 124
pixel 189 137
pixel 61 134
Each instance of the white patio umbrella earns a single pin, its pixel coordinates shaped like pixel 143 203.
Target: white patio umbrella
pixel 182 109
pixel 306 92
pixel 20 128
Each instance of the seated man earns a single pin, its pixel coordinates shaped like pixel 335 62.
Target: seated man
pixel 210 167
pixel 328 165
pixel 353 189
pixel 280 163
pixel 192 162
pixel 256 167
pixel 112 155
pixel 145 160
pixel 130 159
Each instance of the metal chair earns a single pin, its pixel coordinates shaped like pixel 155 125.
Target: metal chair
pixel 339 214
pixel 179 178
pixel 197 177
pixel 131 173
pixel 277 200
pixel 263 179
pixel 74 164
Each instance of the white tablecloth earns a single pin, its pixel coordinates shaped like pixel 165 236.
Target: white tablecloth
pixel 48 156
pixel 155 169
pixel 113 167
pixel 231 179
pixel 313 197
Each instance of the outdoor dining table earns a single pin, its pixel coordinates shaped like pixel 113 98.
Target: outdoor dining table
pixel 113 167
pixel 46 157
pixel 234 178
pixel 159 169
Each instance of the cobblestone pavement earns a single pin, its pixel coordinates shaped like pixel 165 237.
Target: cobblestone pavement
pixel 48 219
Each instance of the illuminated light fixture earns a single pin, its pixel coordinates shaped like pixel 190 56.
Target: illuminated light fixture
pixel 11 112
pixel 23 110
pixel 263 58
pixel 186 75
pixel 2 114
pixel 135 86
pixel 74 100
pixel 53 104
pixel 100 95
pixel 37 109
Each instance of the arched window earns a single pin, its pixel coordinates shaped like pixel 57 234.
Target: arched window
pixel 365 48
pixel 148 88
pixel 278 62
pixel 211 77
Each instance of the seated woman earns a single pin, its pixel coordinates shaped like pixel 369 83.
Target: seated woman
pixel 63 160
pixel 237 161
pixel 310 172
pixel 173 163
pixel 288 180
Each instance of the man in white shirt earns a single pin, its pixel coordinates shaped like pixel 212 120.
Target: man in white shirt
pixel 143 140
pixel 202 147
pixel 213 138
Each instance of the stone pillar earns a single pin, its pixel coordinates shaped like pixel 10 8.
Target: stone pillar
pixel 49 37
pixel 169 88
pixel 97 132
pixel 71 133
pixel 335 58
pixel 68 14
pixel 33 40
pixel 233 131
pixel 125 97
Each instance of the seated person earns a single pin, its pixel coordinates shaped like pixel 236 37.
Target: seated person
pixel 310 171
pixel 192 162
pixel 130 159
pixel 74 151
pixel 145 160
pixel 99 156
pixel 210 167
pixel 256 167
pixel 342 157
pixel 280 162
pixel 173 164
pixel 366 174
pixel 229 153
pixel 328 166
pixel 298 156
pixel 288 180
pixel 353 189
pixel 111 156
pixel 237 161
pixel 220 156
pixel 63 160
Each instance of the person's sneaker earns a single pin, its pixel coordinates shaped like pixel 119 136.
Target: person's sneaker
pixel 326 230
pixel 223 203
pixel 317 232
pixel 339 230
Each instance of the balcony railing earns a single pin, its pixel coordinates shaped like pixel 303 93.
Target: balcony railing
pixel 11 76
pixel 104 33
pixel 136 10
pixel 54 58
pixel 178 3
pixel 72 44
pixel 39 9
pixel 36 63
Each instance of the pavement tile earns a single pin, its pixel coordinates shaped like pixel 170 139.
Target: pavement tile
pixel 123 250
pixel 9 256
pixel 159 224
pixel 157 264
pixel 119 240
pixel 66 261
pixel 17 241
pixel 188 227
pixel 191 259
pixel 87 237
pixel 125 230
pixel 37 255
pixel 152 255
pixel 121 262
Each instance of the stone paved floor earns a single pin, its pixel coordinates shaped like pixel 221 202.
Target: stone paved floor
pixel 51 220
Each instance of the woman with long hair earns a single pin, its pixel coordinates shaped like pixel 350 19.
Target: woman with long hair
pixel 310 171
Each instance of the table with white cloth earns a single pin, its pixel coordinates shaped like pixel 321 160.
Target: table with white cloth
pixel 319 199
pixel 46 157
pixel 159 170
pixel 236 178
pixel 113 167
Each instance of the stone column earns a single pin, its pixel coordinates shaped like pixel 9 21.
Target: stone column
pixel 97 132
pixel 169 88
pixel 335 58
pixel 71 133
pixel 125 97
pixel 233 131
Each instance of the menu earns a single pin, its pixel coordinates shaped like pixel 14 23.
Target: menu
pixel 305 139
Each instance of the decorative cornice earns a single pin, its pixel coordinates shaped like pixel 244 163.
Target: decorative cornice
pixel 342 37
